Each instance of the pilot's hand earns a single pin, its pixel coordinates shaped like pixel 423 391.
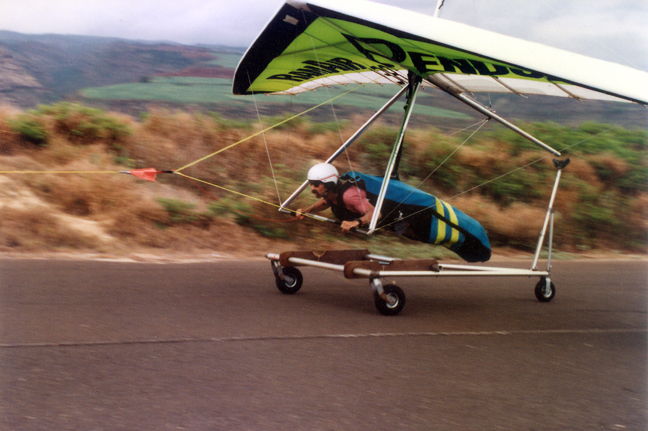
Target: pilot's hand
pixel 347 225
pixel 299 213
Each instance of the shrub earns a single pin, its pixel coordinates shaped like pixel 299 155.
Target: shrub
pixel 85 124
pixel 30 128
pixel 183 212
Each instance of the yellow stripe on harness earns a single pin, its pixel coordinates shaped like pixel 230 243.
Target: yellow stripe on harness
pixel 441 225
pixel 453 218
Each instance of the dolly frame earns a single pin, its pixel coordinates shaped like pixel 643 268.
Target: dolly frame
pixel 390 299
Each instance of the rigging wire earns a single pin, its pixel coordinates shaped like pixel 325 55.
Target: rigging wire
pixel 453 153
pixel 337 122
pixel 226 189
pixel 265 142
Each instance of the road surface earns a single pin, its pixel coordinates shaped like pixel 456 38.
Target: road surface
pixel 90 345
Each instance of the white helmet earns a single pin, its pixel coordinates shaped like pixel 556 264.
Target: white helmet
pixel 324 172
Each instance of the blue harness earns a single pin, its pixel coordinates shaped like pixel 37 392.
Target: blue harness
pixel 423 217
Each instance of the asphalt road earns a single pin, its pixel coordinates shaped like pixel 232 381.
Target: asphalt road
pixel 87 345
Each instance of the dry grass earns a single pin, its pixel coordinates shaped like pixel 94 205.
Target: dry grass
pixel 9 140
pixel 518 222
pixel 36 230
pixel 118 213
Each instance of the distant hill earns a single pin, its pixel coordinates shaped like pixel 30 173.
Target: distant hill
pixel 111 72
pixel 47 68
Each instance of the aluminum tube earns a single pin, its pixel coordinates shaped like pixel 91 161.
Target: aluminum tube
pixel 393 158
pixel 382 258
pixel 293 196
pixel 546 221
pixel 505 272
pixel 475 268
pixel 316 264
pixel 550 245
pixel 320 218
pixel 438 8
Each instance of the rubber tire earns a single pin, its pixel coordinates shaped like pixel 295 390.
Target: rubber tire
pixel 290 287
pixel 539 290
pixel 391 310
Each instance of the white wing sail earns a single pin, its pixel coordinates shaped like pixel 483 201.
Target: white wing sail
pixel 310 44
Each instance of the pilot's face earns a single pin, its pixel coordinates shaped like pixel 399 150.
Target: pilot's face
pixel 318 189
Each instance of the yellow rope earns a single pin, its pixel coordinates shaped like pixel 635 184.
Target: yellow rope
pixel 234 191
pixel 59 172
pixel 226 189
pixel 260 132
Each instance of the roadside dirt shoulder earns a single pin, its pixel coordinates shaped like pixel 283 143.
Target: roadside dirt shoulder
pixel 149 256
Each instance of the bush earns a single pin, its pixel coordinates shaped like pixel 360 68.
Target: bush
pixel 85 124
pixel 30 128
pixel 183 213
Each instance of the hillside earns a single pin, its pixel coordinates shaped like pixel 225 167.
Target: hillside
pixel 50 68
pixel 66 193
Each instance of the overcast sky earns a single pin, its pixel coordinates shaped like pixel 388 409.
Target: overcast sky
pixel 614 30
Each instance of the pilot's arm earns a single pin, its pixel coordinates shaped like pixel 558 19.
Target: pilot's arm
pixel 318 206
pixel 364 220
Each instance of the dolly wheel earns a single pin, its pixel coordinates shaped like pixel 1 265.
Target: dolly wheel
pixel 543 292
pixel 291 282
pixel 392 301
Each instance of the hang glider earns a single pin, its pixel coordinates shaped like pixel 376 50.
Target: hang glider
pixel 320 43
pixel 312 44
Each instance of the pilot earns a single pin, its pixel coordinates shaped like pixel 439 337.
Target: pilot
pixel 348 200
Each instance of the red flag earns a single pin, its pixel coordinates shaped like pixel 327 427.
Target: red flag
pixel 147 174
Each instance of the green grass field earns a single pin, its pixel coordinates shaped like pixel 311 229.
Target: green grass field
pixel 227 60
pixel 190 90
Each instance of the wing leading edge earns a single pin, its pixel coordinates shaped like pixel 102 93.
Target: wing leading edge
pixel 311 44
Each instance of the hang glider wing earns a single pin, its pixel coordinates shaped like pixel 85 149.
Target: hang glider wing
pixel 310 44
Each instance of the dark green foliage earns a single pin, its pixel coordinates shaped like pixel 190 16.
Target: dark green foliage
pixel 244 216
pixel 239 208
pixel 598 216
pixel 30 128
pixel 183 212
pixel 518 186
pixel 83 123
pixel 270 232
pixel 179 212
